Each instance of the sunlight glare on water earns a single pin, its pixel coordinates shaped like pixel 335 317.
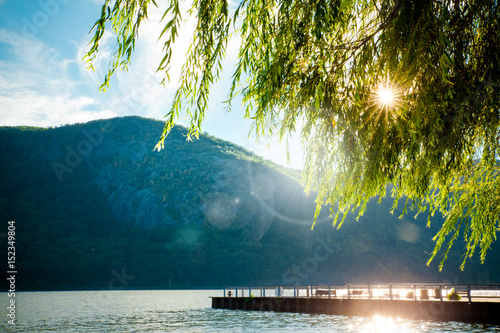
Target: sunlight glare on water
pixel 386 325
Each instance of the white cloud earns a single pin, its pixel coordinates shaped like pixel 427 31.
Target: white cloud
pixel 138 90
pixel 36 87
pixel 28 107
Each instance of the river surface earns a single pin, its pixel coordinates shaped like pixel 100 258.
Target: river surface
pixel 184 311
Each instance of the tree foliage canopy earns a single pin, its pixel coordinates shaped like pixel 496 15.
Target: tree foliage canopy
pixel 320 63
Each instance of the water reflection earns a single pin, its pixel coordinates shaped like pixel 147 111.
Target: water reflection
pixel 387 325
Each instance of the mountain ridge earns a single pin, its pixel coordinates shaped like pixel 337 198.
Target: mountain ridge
pixel 92 199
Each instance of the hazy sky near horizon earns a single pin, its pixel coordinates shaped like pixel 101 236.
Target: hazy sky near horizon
pixel 44 81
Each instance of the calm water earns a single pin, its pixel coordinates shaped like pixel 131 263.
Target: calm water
pixel 184 311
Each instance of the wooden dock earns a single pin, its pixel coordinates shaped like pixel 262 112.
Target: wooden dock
pixel 364 301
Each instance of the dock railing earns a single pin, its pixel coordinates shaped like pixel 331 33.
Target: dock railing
pixel 394 291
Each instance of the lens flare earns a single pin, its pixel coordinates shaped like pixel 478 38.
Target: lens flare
pixel 387 97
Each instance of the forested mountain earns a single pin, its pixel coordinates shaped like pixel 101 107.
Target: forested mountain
pixel 96 207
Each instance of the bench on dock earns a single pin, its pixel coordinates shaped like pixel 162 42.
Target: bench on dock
pixel 394 295
pixel 324 292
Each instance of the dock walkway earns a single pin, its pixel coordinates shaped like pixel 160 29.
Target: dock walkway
pixel 478 303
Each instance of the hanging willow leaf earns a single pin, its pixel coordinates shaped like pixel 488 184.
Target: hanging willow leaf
pixel 321 62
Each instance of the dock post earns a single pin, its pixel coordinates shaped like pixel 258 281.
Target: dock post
pixel 348 292
pixel 469 296
pixel 329 292
pixel 249 291
pixel 294 292
pixel 236 291
pixel 369 292
pixel 415 292
pixel 224 292
pixel 441 292
pixel 264 291
pixel 390 291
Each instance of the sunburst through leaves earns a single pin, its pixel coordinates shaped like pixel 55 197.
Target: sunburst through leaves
pixel 387 97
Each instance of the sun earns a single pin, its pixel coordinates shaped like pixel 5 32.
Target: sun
pixel 386 97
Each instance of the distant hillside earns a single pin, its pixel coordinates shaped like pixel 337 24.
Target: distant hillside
pixel 96 207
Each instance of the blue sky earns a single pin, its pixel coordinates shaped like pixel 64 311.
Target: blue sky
pixel 44 82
